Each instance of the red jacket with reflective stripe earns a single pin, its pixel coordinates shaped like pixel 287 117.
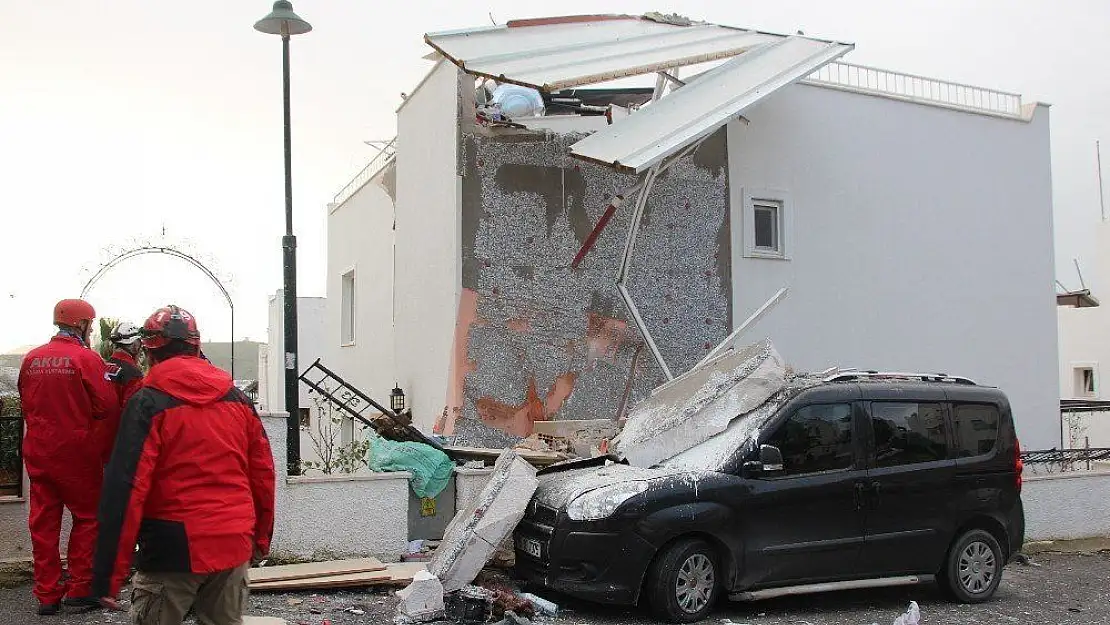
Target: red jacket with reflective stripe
pixel 127 377
pixel 63 387
pixel 191 478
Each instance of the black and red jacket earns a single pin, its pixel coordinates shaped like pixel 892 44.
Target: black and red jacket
pixel 127 377
pixel 191 478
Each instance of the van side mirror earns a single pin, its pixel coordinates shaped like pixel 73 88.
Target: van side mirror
pixel 770 461
pixel 771 458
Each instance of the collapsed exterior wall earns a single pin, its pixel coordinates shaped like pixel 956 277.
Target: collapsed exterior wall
pixel 537 340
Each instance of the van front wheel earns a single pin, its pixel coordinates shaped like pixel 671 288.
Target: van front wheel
pixel 684 581
pixel 974 567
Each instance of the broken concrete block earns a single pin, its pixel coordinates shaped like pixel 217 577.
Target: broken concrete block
pixel 477 530
pixel 585 437
pixel 470 605
pixel 699 405
pixel 422 600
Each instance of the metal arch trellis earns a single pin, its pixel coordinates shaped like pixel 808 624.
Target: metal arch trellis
pixel 167 251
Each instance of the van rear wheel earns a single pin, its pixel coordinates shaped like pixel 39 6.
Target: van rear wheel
pixel 974 567
pixel 684 582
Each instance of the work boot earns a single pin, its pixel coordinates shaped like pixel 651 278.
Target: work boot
pixel 48 609
pixel 82 603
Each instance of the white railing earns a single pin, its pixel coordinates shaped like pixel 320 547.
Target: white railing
pixel 918 89
pixel 380 160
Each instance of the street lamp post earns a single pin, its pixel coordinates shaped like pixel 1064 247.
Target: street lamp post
pixel 283 21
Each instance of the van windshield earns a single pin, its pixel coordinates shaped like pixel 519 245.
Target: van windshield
pixel 721 453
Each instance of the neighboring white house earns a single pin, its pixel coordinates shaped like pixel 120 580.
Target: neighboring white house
pixel 1084 327
pixel 311 344
pixel 476 266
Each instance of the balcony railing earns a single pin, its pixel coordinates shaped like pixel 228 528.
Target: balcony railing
pixel 380 160
pixel 918 89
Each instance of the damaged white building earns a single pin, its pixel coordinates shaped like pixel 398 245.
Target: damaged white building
pixel 507 269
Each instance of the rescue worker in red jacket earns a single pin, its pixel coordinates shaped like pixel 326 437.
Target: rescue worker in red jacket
pixel 192 480
pixel 124 372
pixel 63 388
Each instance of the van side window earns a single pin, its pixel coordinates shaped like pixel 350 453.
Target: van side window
pixel 908 433
pixel 976 429
pixel 815 439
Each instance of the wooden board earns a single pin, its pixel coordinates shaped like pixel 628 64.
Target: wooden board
pixel 263 620
pixel 394 575
pixel 535 458
pixel 314 569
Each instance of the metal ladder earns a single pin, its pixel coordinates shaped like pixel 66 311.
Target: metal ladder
pixel 354 402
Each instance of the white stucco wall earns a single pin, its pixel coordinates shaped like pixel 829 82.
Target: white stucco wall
pixel 428 276
pixel 1085 337
pixel 360 239
pixel 920 239
pixel 343 515
pixel 1067 506
pixel 311 344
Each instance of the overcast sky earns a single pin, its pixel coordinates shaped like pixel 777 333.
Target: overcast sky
pixel 123 117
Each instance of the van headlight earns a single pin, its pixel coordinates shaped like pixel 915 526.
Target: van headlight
pixel 603 502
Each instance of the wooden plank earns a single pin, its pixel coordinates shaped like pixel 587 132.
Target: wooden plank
pixel 399 574
pixel 535 458
pixel 348 580
pixel 314 569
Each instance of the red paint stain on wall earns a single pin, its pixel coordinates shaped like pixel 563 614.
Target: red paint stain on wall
pixel 461 365
pixel 518 419
pixel 604 337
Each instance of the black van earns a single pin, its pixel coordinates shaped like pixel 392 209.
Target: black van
pixel 860 480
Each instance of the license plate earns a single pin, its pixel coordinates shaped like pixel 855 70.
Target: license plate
pixel 531 547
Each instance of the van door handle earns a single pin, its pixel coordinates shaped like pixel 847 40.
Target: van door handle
pixel 861 489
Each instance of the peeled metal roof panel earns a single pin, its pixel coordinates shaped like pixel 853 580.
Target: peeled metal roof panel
pixel 551 56
pixel 655 132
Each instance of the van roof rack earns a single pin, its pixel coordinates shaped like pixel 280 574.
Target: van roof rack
pixel 858 374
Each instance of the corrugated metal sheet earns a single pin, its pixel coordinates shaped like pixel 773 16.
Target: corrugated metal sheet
pixel 697 109
pixel 568 52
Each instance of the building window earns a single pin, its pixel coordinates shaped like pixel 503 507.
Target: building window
pixel 767 229
pixel 766 224
pixel 1086 384
pixel 347 329
pixel 305 417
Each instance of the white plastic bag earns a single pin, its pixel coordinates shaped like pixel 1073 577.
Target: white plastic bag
pixel 911 617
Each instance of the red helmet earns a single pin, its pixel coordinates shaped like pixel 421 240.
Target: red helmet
pixel 170 323
pixel 71 312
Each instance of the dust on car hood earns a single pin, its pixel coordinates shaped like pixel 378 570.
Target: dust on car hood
pixel 556 490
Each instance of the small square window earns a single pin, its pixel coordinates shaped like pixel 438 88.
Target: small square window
pixel 767 229
pixel 305 417
pixel 1086 384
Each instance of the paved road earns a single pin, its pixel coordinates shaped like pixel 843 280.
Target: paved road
pixel 1059 589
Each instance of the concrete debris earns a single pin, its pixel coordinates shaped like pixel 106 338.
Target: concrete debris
pixel 470 605
pixel 585 438
pixel 422 600
pixel 511 618
pixel 699 405
pixel 480 528
pixel 911 617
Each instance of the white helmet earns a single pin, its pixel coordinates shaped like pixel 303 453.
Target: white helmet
pixel 125 334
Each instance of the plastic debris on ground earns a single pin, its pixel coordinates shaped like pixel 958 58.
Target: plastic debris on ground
pixel 480 528
pixel 542 606
pixel 431 469
pixel 911 617
pixel 422 600
pixel 699 405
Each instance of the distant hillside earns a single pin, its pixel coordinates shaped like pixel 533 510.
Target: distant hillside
pixel 246 357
